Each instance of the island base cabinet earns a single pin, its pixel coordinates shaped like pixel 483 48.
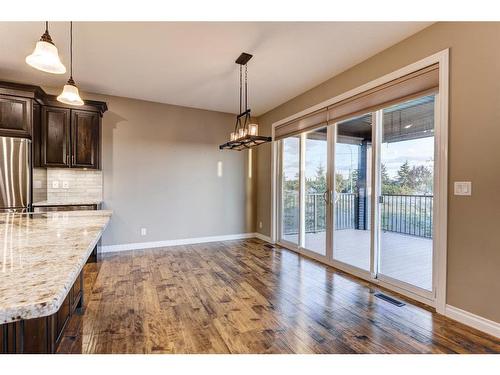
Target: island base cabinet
pixel 42 335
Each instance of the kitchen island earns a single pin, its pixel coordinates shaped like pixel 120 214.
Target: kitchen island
pixel 41 285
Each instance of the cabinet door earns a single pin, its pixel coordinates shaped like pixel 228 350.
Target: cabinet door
pixel 85 139
pixel 62 317
pixel 15 116
pixel 36 336
pixel 55 150
pixel 37 136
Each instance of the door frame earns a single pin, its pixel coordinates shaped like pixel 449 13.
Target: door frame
pixel 440 178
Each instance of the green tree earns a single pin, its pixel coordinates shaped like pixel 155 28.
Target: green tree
pixel 421 179
pixel 404 178
pixel 317 184
pixel 386 180
pixel 389 186
pixel 340 183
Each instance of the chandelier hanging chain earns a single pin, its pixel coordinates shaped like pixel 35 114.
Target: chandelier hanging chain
pixel 237 125
pixel 241 87
pixel 246 87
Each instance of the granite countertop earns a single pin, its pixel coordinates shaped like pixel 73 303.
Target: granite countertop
pixel 66 202
pixel 41 255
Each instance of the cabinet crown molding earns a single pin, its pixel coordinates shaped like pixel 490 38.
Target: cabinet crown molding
pixel 41 97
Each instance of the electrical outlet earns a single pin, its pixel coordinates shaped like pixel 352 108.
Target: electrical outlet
pixel 55 184
pixel 65 185
pixel 260 224
pixel 143 231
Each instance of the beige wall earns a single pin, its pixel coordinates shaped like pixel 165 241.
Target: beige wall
pixel 474 154
pixel 160 172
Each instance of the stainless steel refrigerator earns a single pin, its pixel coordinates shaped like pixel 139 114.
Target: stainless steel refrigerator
pixel 15 175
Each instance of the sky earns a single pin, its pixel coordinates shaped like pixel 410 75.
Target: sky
pixel 393 155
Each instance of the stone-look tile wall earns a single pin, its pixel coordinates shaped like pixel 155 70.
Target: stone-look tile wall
pixel 85 185
pixel 39 184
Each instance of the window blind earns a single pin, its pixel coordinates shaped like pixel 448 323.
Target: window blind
pixel 419 83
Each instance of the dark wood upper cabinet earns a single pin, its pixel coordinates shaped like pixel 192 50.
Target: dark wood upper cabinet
pixel 62 136
pixel 15 116
pixel 85 139
pixel 55 137
pixel 37 135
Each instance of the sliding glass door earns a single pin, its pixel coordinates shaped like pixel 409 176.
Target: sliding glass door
pixel 352 238
pixel 407 193
pixel 305 190
pixel 290 190
pixel 316 191
pixel 359 194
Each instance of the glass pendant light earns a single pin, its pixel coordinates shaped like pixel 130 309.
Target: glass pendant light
pixel 70 94
pixel 45 57
pixel 253 129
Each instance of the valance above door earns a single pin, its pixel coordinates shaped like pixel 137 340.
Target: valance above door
pixel 419 83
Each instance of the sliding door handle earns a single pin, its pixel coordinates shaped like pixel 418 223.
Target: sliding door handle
pixel 326 196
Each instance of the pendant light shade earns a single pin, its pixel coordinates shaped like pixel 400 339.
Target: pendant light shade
pixel 45 57
pixel 70 94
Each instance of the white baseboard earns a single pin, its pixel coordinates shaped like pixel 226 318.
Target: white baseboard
pixel 475 321
pixel 184 241
pixel 263 237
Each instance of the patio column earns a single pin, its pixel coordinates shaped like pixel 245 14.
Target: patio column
pixel 362 211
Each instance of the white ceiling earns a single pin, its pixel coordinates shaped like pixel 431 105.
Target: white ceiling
pixel 192 63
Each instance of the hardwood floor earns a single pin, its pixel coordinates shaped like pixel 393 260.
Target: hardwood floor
pixel 247 297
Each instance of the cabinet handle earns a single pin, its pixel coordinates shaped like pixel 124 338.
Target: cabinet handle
pixel 67 159
pixel 72 159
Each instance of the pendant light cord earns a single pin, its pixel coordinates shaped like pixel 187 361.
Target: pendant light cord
pixel 71 49
pixel 47 27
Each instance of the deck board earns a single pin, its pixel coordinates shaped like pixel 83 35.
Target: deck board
pixel 403 257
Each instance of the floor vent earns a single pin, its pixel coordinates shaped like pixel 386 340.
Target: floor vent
pixel 389 299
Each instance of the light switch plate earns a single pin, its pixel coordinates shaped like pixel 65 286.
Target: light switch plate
pixel 65 185
pixel 55 184
pixel 463 188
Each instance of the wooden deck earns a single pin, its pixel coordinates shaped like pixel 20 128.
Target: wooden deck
pixel 248 297
pixel 402 257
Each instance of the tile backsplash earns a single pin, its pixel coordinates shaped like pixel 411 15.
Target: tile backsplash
pixel 67 184
pixel 39 184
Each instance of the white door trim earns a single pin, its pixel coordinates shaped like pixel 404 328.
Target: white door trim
pixel 275 150
pixel 441 182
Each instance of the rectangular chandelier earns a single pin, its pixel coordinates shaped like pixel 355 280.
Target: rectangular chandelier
pixel 246 134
